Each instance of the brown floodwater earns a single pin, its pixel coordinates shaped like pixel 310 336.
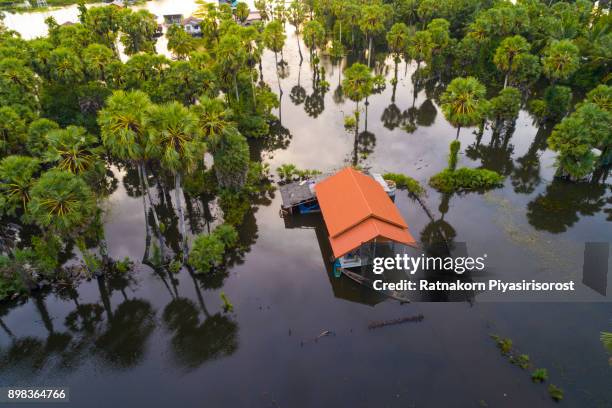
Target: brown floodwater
pixel 147 339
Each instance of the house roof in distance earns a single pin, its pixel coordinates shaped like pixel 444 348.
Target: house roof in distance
pixel 356 210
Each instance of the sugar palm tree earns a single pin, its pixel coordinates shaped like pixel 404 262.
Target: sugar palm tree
pixel 397 42
pixel 505 55
pixel 123 131
pixel 372 22
pixel 561 59
pixel 314 36
pixel 176 140
pixel 357 84
pixel 17 174
pixel 213 118
pixel 242 12
pixel 61 203
pixel 231 59
pixel 73 149
pixel 297 15
pixel 461 102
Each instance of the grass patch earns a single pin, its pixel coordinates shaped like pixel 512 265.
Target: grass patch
pixel 448 181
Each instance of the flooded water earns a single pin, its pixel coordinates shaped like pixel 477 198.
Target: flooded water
pixel 148 340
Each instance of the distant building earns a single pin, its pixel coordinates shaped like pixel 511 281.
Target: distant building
pixel 170 19
pixel 192 26
pixel 253 17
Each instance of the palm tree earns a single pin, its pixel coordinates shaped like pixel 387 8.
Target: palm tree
pixel 176 141
pixel 397 42
pixel 372 22
pixel 231 57
pixel 17 174
pixel 73 149
pixel 97 58
pixel 123 131
pixel 213 118
pixel 242 12
pixel 61 203
pixel 274 39
pixel 297 15
pixel 561 59
pixel 461 102
pixel 357 84
pixel 506 53
pixel 421 47
pixel 314 35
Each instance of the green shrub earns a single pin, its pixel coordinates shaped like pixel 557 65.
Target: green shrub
pixel 555 392
pixel 539 375
pixel 12 275
pixel 465 178
pixel 455 145
pixel 235 205
pixel 350 123
pixel 227 234
pixel 405 182
pixel 207 252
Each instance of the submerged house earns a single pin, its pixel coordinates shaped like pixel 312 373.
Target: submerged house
pixel 357 210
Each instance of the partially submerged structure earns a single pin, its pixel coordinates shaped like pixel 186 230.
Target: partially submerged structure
pixel 358 212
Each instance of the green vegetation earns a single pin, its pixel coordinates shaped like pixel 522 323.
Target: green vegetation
pixel 555 392
pixel 465 179
pixel 289 172
pixel 228 307
pixel 452 180
pixel 208 251
pixel 539 375
pixel 405 182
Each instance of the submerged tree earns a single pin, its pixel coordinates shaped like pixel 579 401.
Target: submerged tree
pixel 461 102
pixel 176 142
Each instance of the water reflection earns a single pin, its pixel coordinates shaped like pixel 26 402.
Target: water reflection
pixel 560 206
pixel 194 341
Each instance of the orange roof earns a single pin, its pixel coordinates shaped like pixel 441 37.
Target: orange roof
pixel 356 209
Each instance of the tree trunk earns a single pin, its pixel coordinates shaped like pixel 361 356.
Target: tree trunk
pixel 297 35
pixel 506 80
pixel 105 298
pixel 280 90
pixel 236 87
pixel 369 50
pixel 458 129
pixel 41 307
pixel 179 206
pixel 147 189
pixel 6 329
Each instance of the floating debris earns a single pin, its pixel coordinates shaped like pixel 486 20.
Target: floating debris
pixel 377 325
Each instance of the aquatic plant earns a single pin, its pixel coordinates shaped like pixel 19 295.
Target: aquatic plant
pixel 175 266
pixel 206 253
pixel 465 178
pixel 539 375
pixel 555 392
pixel 405 182
pixel 227 234
pixel 455 145
pixel 228 307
